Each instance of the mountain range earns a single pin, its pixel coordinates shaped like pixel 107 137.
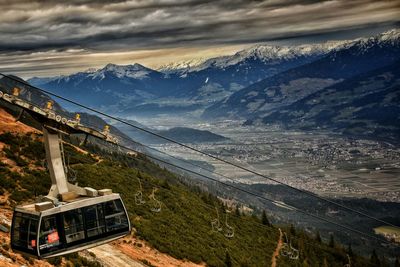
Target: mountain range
pixel 135 89
pixel 353 89
pixel 289 86
pixel 262 84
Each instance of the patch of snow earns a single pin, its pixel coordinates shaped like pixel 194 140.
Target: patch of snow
pixel 253 106
pixel 252 93
pixel 181 66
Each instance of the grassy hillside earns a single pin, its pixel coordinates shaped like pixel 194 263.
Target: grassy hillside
pixel 183 226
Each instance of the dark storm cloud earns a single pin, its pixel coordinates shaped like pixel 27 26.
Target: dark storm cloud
pixel 38 35
pixel 28 25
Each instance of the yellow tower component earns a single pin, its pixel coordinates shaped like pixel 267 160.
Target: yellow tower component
pixel 106 129
pixel 78 117
pixel 16 91
pixel 49 104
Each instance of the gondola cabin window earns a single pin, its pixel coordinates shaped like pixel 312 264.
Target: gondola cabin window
pixel 49 235
pixel 115 216
pixel 94 217
pixel 73 226
pixel 24 233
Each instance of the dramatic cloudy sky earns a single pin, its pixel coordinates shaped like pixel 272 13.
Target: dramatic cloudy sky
pixel 50 37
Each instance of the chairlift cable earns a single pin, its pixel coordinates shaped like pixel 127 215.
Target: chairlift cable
pixel 266 199
pixel 224 161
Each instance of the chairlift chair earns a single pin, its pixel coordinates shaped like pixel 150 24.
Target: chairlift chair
pixel 294 253
pixel 156 203
pixel 285 249
pixel 139 195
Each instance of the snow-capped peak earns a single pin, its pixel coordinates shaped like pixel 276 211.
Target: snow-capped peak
pixel 275 54
pixel 135 71
pixel 181 65
pixel 90 70
pixel 265 53
pixel 393 34
pixel 362 45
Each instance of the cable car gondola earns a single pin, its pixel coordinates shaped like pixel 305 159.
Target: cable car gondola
pixel 68 227
pixel 70 218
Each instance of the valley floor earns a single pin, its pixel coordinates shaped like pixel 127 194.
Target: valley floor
pixel 320 162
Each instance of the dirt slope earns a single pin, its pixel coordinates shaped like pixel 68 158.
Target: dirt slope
pixel 140 250
pixel 8 124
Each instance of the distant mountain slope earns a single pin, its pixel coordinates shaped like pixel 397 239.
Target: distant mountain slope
pixel 368 104
pixel 111 85
pixel 135 89
pixel 247 84
pixel 189 135
pixel 292 85
pixel 180 134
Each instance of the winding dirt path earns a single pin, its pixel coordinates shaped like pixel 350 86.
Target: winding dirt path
pixel 275 255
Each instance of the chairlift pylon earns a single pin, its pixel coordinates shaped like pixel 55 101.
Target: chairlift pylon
pixel 215 223
pixel 70 218
pixel 230 232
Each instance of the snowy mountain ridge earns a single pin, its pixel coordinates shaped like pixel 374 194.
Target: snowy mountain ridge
pixel 275 53
pixel 265 53
pixel 271 54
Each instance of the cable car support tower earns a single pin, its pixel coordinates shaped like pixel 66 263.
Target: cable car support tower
pixel 70 218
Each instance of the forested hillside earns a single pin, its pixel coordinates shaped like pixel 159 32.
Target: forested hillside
pixel 177 219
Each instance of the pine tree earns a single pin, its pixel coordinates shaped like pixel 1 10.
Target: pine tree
pixel 228 260
pixel 305 263
pixel 374 259
pixel 318 237
pixel 350 250
pixel 384 261
pixel 331 241
pixel 397 263
pixel 292 230
pixel 325 264
pixel 237 211
pixel 264 218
